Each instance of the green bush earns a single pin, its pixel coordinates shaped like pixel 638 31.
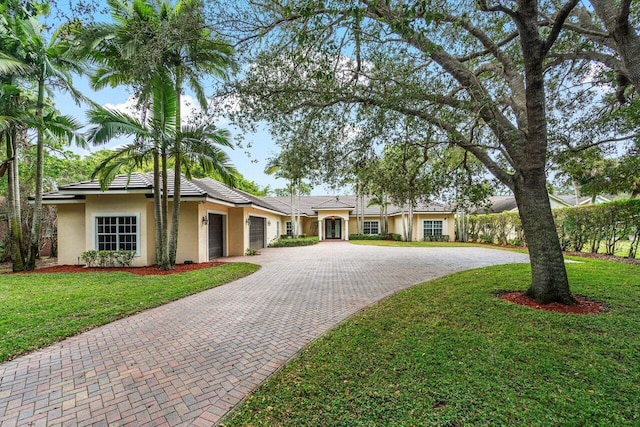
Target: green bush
pixel 583 228
pixel 108 258
pixel 366 237
pixel 395 236
pixel 290 242
pixel 437 238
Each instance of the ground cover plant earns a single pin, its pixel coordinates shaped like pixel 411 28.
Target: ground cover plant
pixel 37 309
pixel 449 352
pixel 296 241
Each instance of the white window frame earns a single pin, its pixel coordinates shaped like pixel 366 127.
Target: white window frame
pixel 369 222
pixel 94 220
pixel 288 228
pixel 424 223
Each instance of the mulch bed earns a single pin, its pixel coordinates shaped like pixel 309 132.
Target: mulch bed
pixel 141 271
pixel 584 305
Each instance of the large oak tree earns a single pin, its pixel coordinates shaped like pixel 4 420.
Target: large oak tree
pixel 473 72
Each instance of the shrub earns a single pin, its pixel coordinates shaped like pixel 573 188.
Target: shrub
pixel 290 242
pixel 251 252
pixel 366 237
pixel 108 258
pixel 89 257
pixel 437 238
pixel 583 228
pixel 395 236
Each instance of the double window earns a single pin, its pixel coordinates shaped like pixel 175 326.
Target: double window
pixel 432 228
pixel 371 227
pixel 117 233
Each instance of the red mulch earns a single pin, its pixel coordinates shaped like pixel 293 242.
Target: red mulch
pixel 141 271
pixel 584 306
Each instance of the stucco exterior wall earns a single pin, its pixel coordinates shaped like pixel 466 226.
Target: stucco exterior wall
pixel 189 229
pixel 71 233
pixel 204 209
pixel 117 204
pixel 272 221
pixel 342 214
pixel 238 232
pixel 448 224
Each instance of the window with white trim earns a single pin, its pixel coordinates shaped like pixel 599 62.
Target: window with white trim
pixel 288 228
pixel 371 227
pixel 432 228
pixel 117 233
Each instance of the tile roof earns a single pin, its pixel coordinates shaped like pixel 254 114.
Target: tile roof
pixel 142 182
pixel 310 204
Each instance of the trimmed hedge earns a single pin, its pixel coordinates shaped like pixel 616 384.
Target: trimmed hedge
pixel 580 229
pixel 437 238
pixel 367 237
pixel 289 242
pixel 108 258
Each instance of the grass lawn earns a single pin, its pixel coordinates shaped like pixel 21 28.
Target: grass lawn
pixel 414 244
pixel 448 352
pixel 39 309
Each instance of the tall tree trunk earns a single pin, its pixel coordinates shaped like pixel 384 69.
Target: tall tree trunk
pixel 410 223
pixel 36 221
pixel 159 220
pixel 293 212
pixel 163 262
pixel 14 214
pixel 549 280
pixel 177 177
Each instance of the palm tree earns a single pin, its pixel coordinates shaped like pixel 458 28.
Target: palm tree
pixel 381 201
pixel 27 62
pixel 151 40
pixel 152 139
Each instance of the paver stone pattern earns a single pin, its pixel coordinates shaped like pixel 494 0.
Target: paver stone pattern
pixel 189 362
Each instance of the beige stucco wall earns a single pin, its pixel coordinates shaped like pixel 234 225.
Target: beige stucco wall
pixel 237 231
pixel 343 214
pixel 204 209
pixel 272 221
pixel 117 204
pixel 395 224
pixel 71 233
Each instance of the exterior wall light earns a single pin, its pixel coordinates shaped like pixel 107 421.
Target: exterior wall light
pixel 205 220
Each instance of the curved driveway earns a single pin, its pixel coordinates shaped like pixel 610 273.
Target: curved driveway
pixel 190 361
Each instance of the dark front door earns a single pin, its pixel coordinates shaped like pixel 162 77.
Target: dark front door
pixel 333 229
pixel 256 232
pixel 215 236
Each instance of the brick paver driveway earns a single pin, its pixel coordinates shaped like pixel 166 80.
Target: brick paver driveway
pixel 189 362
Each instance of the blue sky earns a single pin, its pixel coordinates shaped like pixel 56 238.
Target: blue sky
pixel 251 163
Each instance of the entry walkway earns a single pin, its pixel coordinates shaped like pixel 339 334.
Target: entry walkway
pixel 189 362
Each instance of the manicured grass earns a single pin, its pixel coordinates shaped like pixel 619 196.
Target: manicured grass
pixel 414 244
pixel 448 352
pixel 39 309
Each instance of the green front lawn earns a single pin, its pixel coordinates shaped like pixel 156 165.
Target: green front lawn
pixel 448 352
pixel 40 308
pixel 418 244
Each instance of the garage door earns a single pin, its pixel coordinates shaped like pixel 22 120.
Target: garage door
pixel 256 232
pixel 215 236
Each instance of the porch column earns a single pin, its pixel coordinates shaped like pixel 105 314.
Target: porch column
pixel 346 229
pixel 319 229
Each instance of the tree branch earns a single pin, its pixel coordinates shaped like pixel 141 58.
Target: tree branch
pixel 561 17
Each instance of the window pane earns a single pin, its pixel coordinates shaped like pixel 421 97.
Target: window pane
pixel 116 233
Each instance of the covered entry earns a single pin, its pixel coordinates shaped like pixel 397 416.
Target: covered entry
pixel 256 232
pixel 333 228
pixel 215 236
